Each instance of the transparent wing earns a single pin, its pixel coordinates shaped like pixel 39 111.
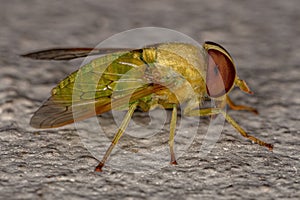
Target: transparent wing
pixel 71 53
pixel 90 90
pixel 55 113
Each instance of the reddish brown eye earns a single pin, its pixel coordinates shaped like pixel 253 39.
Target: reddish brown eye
pixel 220 74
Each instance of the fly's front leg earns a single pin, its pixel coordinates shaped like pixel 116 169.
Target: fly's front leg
pixel 215 111
pixel 243 132
pixel 233 106
pixel 118 135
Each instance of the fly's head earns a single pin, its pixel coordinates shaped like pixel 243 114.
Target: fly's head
pixel 221 74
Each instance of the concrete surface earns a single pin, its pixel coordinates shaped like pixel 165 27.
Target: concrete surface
pixel 262 36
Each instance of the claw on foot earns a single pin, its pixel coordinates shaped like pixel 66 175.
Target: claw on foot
pixel 99 167
pixel 174 162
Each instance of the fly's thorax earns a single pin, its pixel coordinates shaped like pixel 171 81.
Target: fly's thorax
pixel 178 94
pixel 195 57
pixel 190 62
pixel 149 55
pixel 178 66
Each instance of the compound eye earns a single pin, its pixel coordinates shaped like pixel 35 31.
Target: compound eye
pixel 220 74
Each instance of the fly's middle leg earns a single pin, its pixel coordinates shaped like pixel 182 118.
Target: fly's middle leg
pixel 172 134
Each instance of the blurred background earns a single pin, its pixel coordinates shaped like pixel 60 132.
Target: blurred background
pixel 262 37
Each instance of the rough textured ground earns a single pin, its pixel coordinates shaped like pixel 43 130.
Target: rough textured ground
pixel 262 36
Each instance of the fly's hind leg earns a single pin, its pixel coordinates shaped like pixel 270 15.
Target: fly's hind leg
pixel 215 111
pixel 118 135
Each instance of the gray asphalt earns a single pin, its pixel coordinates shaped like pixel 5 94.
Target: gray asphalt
pixel 262 37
